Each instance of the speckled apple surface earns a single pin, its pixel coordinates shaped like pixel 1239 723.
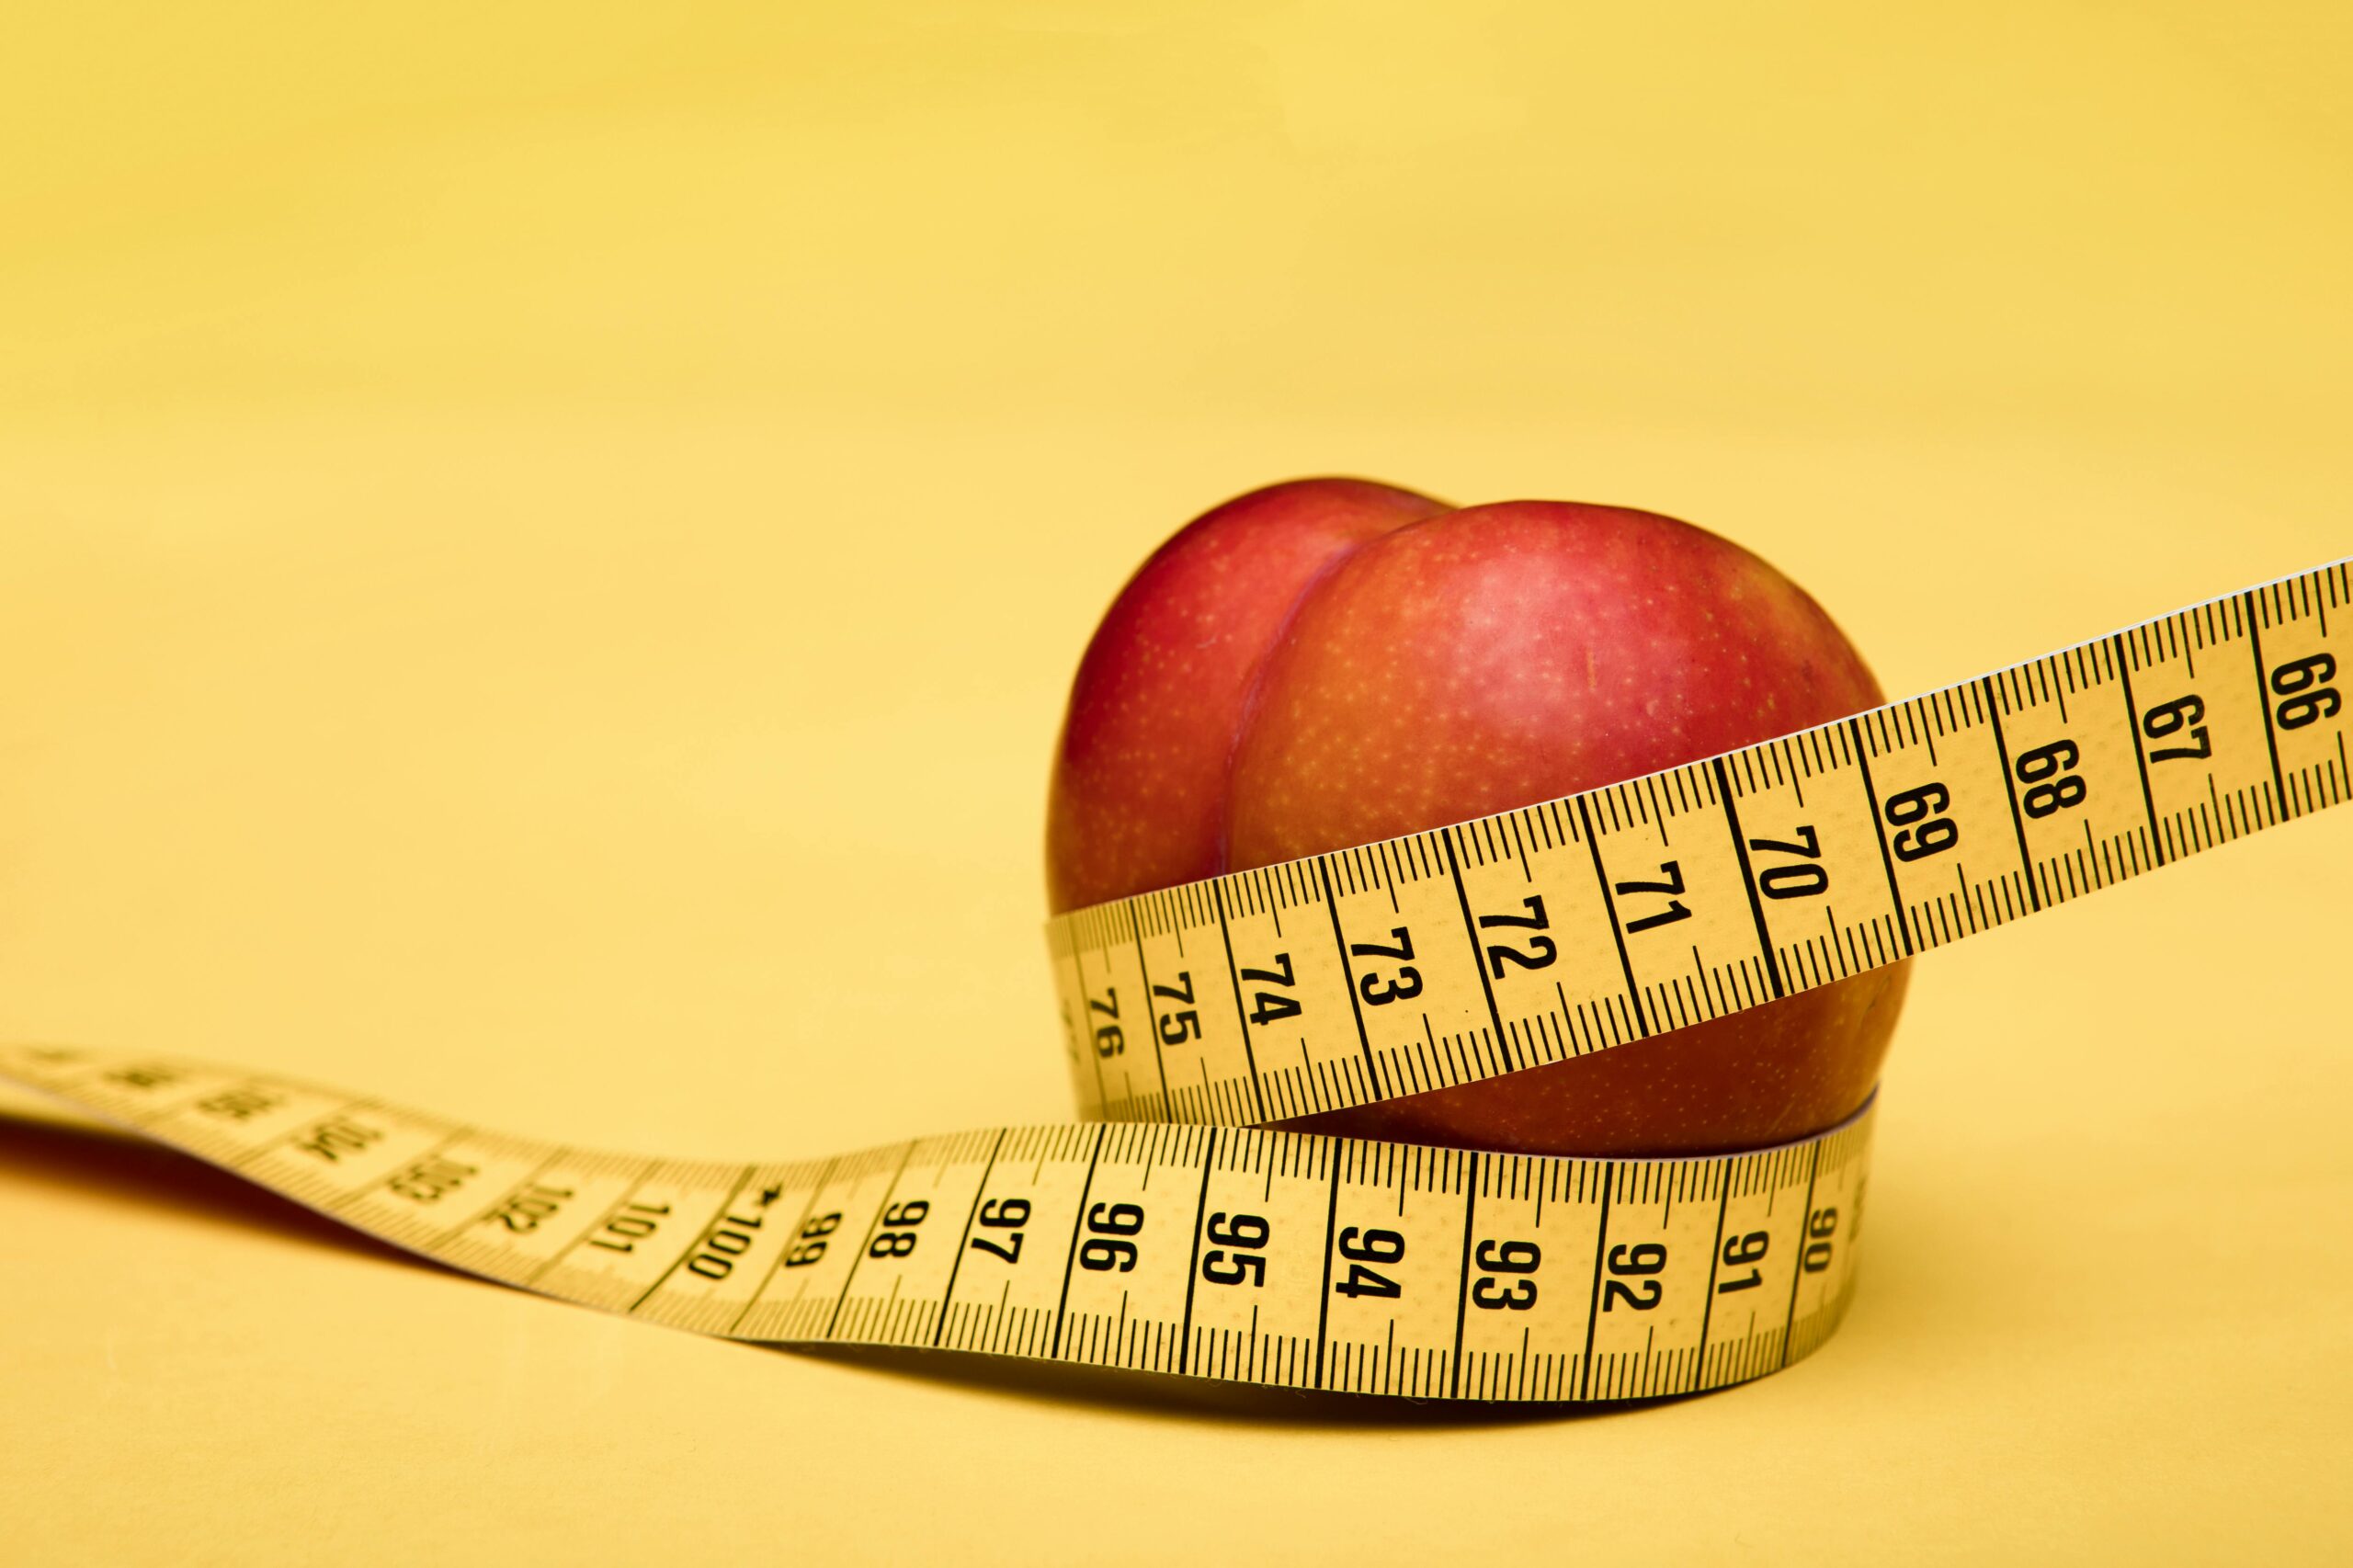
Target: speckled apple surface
pixel 1330 662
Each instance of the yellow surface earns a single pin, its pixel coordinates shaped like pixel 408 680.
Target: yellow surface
pixel 500 514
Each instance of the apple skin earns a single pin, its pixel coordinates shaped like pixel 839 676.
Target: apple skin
pixel 1138 790
pixel 1328 663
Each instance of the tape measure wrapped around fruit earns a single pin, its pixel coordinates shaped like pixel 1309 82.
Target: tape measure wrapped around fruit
pixel 1331 663
pixel 1331 682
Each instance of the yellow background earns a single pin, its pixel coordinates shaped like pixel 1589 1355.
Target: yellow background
pixel 540 552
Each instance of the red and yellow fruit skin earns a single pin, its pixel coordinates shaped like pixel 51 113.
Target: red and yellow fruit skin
pixel 1332 662
pixel 1140 784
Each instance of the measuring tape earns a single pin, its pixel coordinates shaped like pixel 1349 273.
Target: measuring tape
pixel 1166 1234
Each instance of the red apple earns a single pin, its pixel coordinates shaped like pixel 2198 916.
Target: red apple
pixel 1331 662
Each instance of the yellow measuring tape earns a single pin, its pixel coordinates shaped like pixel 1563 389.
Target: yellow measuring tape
pixel 1166 1234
